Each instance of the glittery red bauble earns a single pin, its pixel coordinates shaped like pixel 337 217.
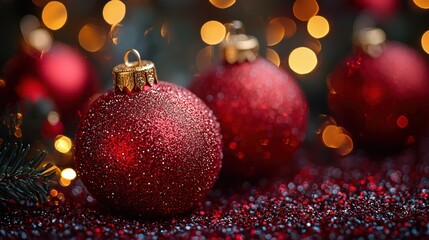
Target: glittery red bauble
pixel 383 101
pixel 262 113
pixel 154 152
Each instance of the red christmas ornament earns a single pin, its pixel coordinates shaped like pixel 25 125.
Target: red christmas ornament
pixel 261 110
pixel 62 74
pixel 381 9
pixel 70 79
pixel 148 148
pixel 380 93
pixel 20 81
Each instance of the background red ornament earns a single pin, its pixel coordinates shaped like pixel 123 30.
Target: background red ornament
pixel 262 113
pixel 383 101
pixel 69 78
pixel 155 152
pixel 381 9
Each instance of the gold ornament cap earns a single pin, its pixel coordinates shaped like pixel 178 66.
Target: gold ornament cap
pixel 134 75
pixel 238 47
pixel 370 40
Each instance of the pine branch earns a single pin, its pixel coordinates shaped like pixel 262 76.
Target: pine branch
pixel 22 178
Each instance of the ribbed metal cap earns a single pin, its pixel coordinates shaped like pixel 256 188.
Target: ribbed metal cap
pixel 238 47
pixel 131 76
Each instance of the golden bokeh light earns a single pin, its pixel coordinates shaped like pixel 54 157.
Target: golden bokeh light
pixel 273 57
pixel 40 39
pixel 346 146
pixel 53 117
pixel 114 11
pixel 213 32
pixel 115 33
pixel 425 41
pixel 204 58
pixel 28 24
pixel 2 83
pixel 164 30
pixel 91 37
pixel 318 27
pixel 64 182
pixel 314 44
pixel 275 33
pixel 63 144
pixel 424 4
pixel 54 15
pixel 330 136
pixel 302 60
pixel 54 192
pixel 68 173
pixel 305 9
pixel 289 25
pixel 222 4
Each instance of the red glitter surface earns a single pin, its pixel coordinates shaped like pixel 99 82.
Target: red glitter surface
pixel 347 198
pixel 382 101
pixel 155 152
pixel 262 114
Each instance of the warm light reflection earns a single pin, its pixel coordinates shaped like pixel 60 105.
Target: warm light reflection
pixel 213 32
pixel 336 137
pixel 318 27
pixel 54 15
pixel 68 173
pixel 425 41
pixel 91 37
pixel 28 24
pixel 63 144
pixel 329 136
pixel 424 4
pixel 273 57
pixel 64 182
pixel 289 25
pixel 314 45
pixel 346 146
pixel 115 32
pixel 302 60
pixel 40 39
pixel 204 58
pixel 114 11
pixel 222 4
pixel 305 9
pixel 275 33
pixel 164 30
pixel 53 117
pixel 54 192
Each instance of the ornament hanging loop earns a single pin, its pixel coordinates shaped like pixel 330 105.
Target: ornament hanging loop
pixel 132 64
pixel 134 76
pixel 234 28
pixel 238 47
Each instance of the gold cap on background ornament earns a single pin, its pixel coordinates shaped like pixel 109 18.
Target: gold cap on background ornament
pixel 238 47
pixel 370 40
pixel 131 75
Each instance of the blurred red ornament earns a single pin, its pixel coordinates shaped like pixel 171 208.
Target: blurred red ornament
pixel 69 77
pixel 261 110
pixel 383 99
pixel 20 75
pixel 31 89
pixel 61 74
pixel 381 9
pixel 149 150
